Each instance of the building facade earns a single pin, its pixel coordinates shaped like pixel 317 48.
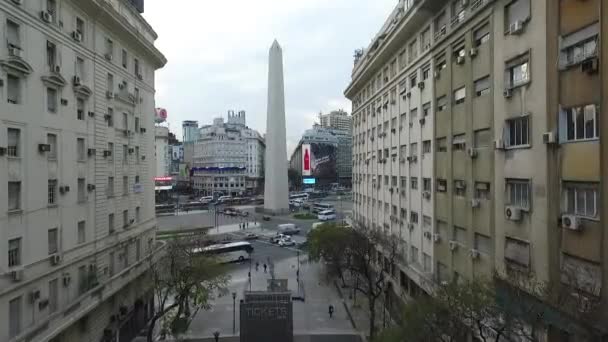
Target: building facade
pixel 162 151
pixel 228 158
pixel 514 91
pixel 189 131
pixel 334 148
pixel 76 165
pixel 337 119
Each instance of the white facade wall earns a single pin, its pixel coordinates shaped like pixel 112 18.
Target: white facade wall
pixel 40 315
pixel 161 151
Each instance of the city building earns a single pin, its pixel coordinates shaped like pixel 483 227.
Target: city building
pixel 189 131
pixel 337 119
pixel 162 151
pixel 330 153
pixel 513 91
pixel 76 167
pixel 228 158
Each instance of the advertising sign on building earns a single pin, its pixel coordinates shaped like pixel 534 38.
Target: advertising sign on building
pixel 306 160
pixel 160 115
pixel 323 161
pixel 266 316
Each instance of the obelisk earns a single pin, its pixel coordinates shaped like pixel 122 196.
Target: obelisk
pixel 276 192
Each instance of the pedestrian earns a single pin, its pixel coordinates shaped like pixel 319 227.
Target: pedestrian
pixel 257 265
pixel 331 310
pixel 247 224
pixel 265 268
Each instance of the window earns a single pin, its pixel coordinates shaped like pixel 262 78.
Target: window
pixel 14 252
pixel 137 249
pixel 460 188
pixel 425 39
pixel 111 223
pixel 414 183
pixel 582 123
pixel 413 254
pixel 137 156
pixel 413 80
pixel 440 25
pixel 14 196
pixel 581 199
pixel 81 190
pixel 442 145
pixel 516 132
pixel 13 92
pixel 12 34
pixel 459 142
pixel 80 154
pixel 137 214
pixel 111 149
pixel 482 190
pixel 125 185
pixel 125 155
pixel 82 279
pixel 81 232
pixel 459 95
pixel 14 317
pixel 80 109
pixel 413 115
pixel 110 117
pixel 517 72
pixel 136 66
pixel 518 10
pixel 386 180
pixel 426 262
pixel 482 35
pixel 80 27
pixel 404 182
pixel 136 124
pixel 51 99
pixel 482 86
pixel 111 264
pixel 402 60
pixel 442 102
pixel 125 121
pixel 413 51
pixel 53 241
pixel 110 83
pixel 53 295
pixel 110 188
pixel 125 218
pixel 80 68
pixel 578 51
pixel 483 244
pixel 442 185
pixel 426 108
pixel 124 58
pixel 517 252
pixel 460 235
pixel 51 55
pixel 458 52
pixel 109 48
pixel 52 192
pixel 518 193
pixel 426 146
pixel 51 139
pixel 426 184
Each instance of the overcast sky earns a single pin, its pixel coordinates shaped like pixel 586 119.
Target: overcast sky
pixel 217 55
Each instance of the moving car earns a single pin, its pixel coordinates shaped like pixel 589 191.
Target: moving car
pixel 278 237
pixel 251 236
pixel 206 199
pixel 223 199
pixel 266 218
pixel 326 215
pixel 286 242
pixel 288 229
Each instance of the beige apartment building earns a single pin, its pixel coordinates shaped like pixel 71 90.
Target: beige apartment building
pixel 77 223
pixel 517 159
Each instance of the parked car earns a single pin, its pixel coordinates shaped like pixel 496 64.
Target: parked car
pixel 266 218
pixel 251 236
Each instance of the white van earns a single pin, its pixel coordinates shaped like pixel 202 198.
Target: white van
pixel 288 229
pixel 206 199
pixel 326 215
pixel 223 199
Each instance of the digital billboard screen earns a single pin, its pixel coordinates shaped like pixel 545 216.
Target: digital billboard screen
pixel 323 161
pixel 309 181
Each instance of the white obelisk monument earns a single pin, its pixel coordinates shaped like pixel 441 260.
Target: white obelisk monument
pixel 276 192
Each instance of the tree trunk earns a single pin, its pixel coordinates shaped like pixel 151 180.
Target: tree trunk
pixel 372 319
pixel 155 318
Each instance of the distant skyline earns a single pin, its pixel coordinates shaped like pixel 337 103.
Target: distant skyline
pixel 218 54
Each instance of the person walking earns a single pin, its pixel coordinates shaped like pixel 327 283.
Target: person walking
pixel 265 268
pixel 257 266
pixel 331 310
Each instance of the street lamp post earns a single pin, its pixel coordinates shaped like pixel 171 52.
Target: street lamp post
pixel 233 313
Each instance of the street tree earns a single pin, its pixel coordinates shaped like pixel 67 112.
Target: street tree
pixel 184 282
pixel 366 255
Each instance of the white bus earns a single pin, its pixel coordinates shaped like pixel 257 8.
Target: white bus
pixel 228 252
pixel 302 196
pixel 327 215
pixel 318 207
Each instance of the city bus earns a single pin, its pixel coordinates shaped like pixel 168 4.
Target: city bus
pixel 318 207
pixel 228 252
pixel 302 197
